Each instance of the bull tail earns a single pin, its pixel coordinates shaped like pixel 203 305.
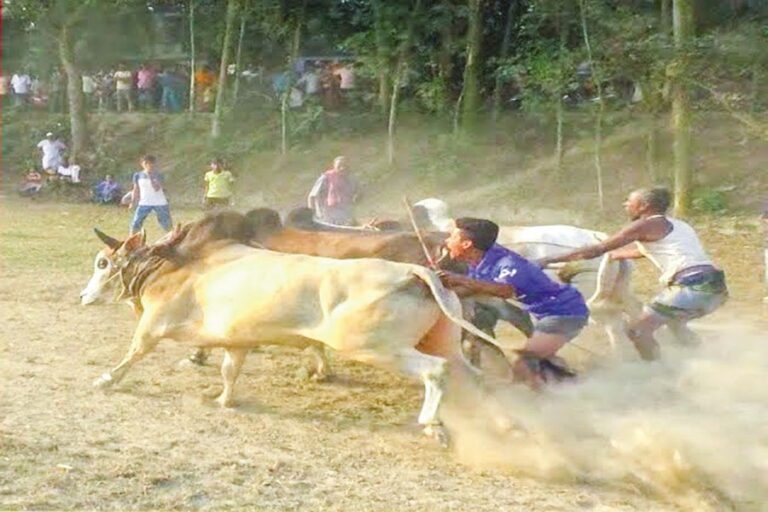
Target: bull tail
pixel 448 307
pixel 606 279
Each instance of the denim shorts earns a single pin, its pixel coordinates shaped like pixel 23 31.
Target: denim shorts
pixel 163 213
pixel 567 326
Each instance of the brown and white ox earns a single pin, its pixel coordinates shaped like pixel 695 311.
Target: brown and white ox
pixel 392 315
pixel 263 227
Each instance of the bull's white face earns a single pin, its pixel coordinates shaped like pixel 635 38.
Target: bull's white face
pixel 105 266
pixel 101 282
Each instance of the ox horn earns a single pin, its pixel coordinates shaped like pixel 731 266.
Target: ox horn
pixel 112 243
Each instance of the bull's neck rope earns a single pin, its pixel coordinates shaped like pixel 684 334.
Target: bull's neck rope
pixel 134 274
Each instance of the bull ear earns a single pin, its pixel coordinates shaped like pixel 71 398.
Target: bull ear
pixel 135 241
pixel 110 242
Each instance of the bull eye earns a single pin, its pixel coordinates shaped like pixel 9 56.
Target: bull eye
pixel 102 263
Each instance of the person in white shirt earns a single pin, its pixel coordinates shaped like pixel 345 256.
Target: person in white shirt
pixel 89 88
pixel 69 170
pixel 123 86
pixel 21 83
pixel 52 149
pixel 148 196
pixel 694 285
pixel 311 82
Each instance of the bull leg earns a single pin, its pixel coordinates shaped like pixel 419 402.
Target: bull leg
pixel 430 369
pixel 320 371
pixel 230 369
pixel 141 345
pixel 200 356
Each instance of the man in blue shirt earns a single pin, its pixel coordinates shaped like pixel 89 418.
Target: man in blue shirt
pixel 559 311
pixel 107 191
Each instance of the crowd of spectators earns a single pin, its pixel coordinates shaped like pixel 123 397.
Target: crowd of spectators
pixel 152 87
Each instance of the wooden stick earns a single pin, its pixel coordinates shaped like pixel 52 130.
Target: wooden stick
pixel 430 259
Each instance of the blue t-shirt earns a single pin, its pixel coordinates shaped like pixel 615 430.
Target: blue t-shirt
pixel 540 295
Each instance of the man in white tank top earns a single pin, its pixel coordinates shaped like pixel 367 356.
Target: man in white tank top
pixel 694 285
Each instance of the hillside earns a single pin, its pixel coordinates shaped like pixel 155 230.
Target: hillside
pixel 507 171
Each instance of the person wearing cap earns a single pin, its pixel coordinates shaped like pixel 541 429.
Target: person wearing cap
pixel 52 149
pixel 559 311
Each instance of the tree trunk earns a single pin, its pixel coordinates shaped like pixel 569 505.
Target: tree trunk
pixel 598 137
pixel 294 53
pixel 652 148
pixel 559 146
pixel 402 67
pixel 445 62
pixel 218 111
pixel 238 58
pixel 78 120
pixel 471 85
pixel 665 19
pixel 192 56
pixel 681 114
pixel 383 68
pixel 559 107
pixel 503 52
pixel 391 124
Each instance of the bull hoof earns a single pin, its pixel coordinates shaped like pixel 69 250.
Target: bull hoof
pixel 438 433
pixel 104 381
pixel 224 402
pixel 199 357
pixel 320 376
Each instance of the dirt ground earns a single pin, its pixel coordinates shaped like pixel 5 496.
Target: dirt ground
pixel 155 442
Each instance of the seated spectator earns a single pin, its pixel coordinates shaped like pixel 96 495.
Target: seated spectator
pixel 32 183
pixel 107 191
pixel 67 171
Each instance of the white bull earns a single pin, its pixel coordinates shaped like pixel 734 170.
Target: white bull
pixel 604 283
pixel 393 315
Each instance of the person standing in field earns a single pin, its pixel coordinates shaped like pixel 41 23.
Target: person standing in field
pixel 148 196
pixel 334 194
pixel 123 86
pixel 218 186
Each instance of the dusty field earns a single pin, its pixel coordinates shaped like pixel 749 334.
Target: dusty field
pixel 351 444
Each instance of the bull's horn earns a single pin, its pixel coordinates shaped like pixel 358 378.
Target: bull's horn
pixel 112 243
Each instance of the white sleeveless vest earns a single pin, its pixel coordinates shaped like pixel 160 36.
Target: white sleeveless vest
pixel 679 250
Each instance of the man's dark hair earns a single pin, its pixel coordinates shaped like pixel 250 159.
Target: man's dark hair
pixel 150 159
pixel 482 232
pixel 658 198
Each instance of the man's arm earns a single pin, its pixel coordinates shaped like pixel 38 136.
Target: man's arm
pixel 135 192
pixel 629 234
pixel 464 286
pixel 630 252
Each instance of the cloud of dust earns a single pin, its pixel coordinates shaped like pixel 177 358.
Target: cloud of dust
pixel 691 427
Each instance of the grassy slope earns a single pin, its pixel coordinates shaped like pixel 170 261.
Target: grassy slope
pixel 502 172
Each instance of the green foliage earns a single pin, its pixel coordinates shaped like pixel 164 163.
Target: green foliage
pixel 433 95
pixel 707 200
